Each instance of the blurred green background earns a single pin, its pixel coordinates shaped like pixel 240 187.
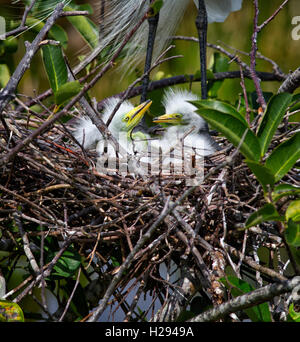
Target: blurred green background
pixel 275 42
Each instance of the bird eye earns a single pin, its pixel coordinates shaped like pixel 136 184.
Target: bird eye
pixel 126 118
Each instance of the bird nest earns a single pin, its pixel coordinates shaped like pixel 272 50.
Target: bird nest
pixel 53 189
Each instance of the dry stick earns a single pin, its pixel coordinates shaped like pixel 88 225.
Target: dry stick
pixel 30 203
pixel 27 249
pixel 22 26
pixel 71 296
pixel 256 29
pixel 291 83
pixel 8 92
pixel 255 79
pixel 96 314
pixel 248 300
pixel 47 124
pixel 168 209
pixel 158 62
pixel 249 261
pixel 174 80
pixel 242 83
pixel 44 273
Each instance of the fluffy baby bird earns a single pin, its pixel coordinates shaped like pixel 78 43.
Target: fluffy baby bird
pixel 121 127
pixel 185 127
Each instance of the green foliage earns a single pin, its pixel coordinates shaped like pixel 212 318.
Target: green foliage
pixel 238 287
pixel 55 66
pixel 66 91
pixel 294 315
pixel 220 64
pixel 67 265
pixel 4 75
pixel 254 146
pixel 10 312
pixel 284 156
pixel 272 117
pixel 87 29
pixel 267 213
pixel 235 130
pixel 284 190
pixel 262 173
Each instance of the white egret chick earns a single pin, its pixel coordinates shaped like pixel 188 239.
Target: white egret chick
pixel 186 128
pixel 121 126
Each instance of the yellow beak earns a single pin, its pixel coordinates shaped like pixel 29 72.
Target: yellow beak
pixel 136 114
pixel 168 118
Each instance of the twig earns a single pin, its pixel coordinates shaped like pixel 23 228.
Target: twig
pixel 22 26
pixel 71 296
pixel 248 300
pixel 291 83
pixel 26 246
pixel 256 29
pixel 45 273
pixel 249 261
pixel 254 76
pixel 182 79
pixel 97 313
pixel 8 92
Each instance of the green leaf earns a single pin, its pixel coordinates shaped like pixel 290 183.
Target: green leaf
pixel 55 66
pixel 10 312
pixel 56 32
pixel 283 190
pixel 262 173
pixel 295 316
pixel 4 75
pixel 293 211
pixel 234 130
pixel 68 263
pixel 67 91
pixel 292 233
pixel 238 287
pixel 272 117
pixel 88 30
pixel 220 64
pixel 59 34
pixel 292 215
pixel 220 106
pixel 11 45
pixel 284 156
pixel 267 213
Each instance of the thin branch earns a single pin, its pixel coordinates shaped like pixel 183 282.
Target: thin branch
pixel 71 296
pixel 8 92
pixel 291 83
pixel 248 300
pixel 26 246
pixel 254 48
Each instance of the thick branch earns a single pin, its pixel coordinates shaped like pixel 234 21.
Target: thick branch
pixel 248 300
pixel 291 83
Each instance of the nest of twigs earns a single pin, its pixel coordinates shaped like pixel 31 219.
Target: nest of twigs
pixel 52 188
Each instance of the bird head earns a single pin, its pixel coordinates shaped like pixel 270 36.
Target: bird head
pixel 134 116
pixel 180 112
pixel 126 118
